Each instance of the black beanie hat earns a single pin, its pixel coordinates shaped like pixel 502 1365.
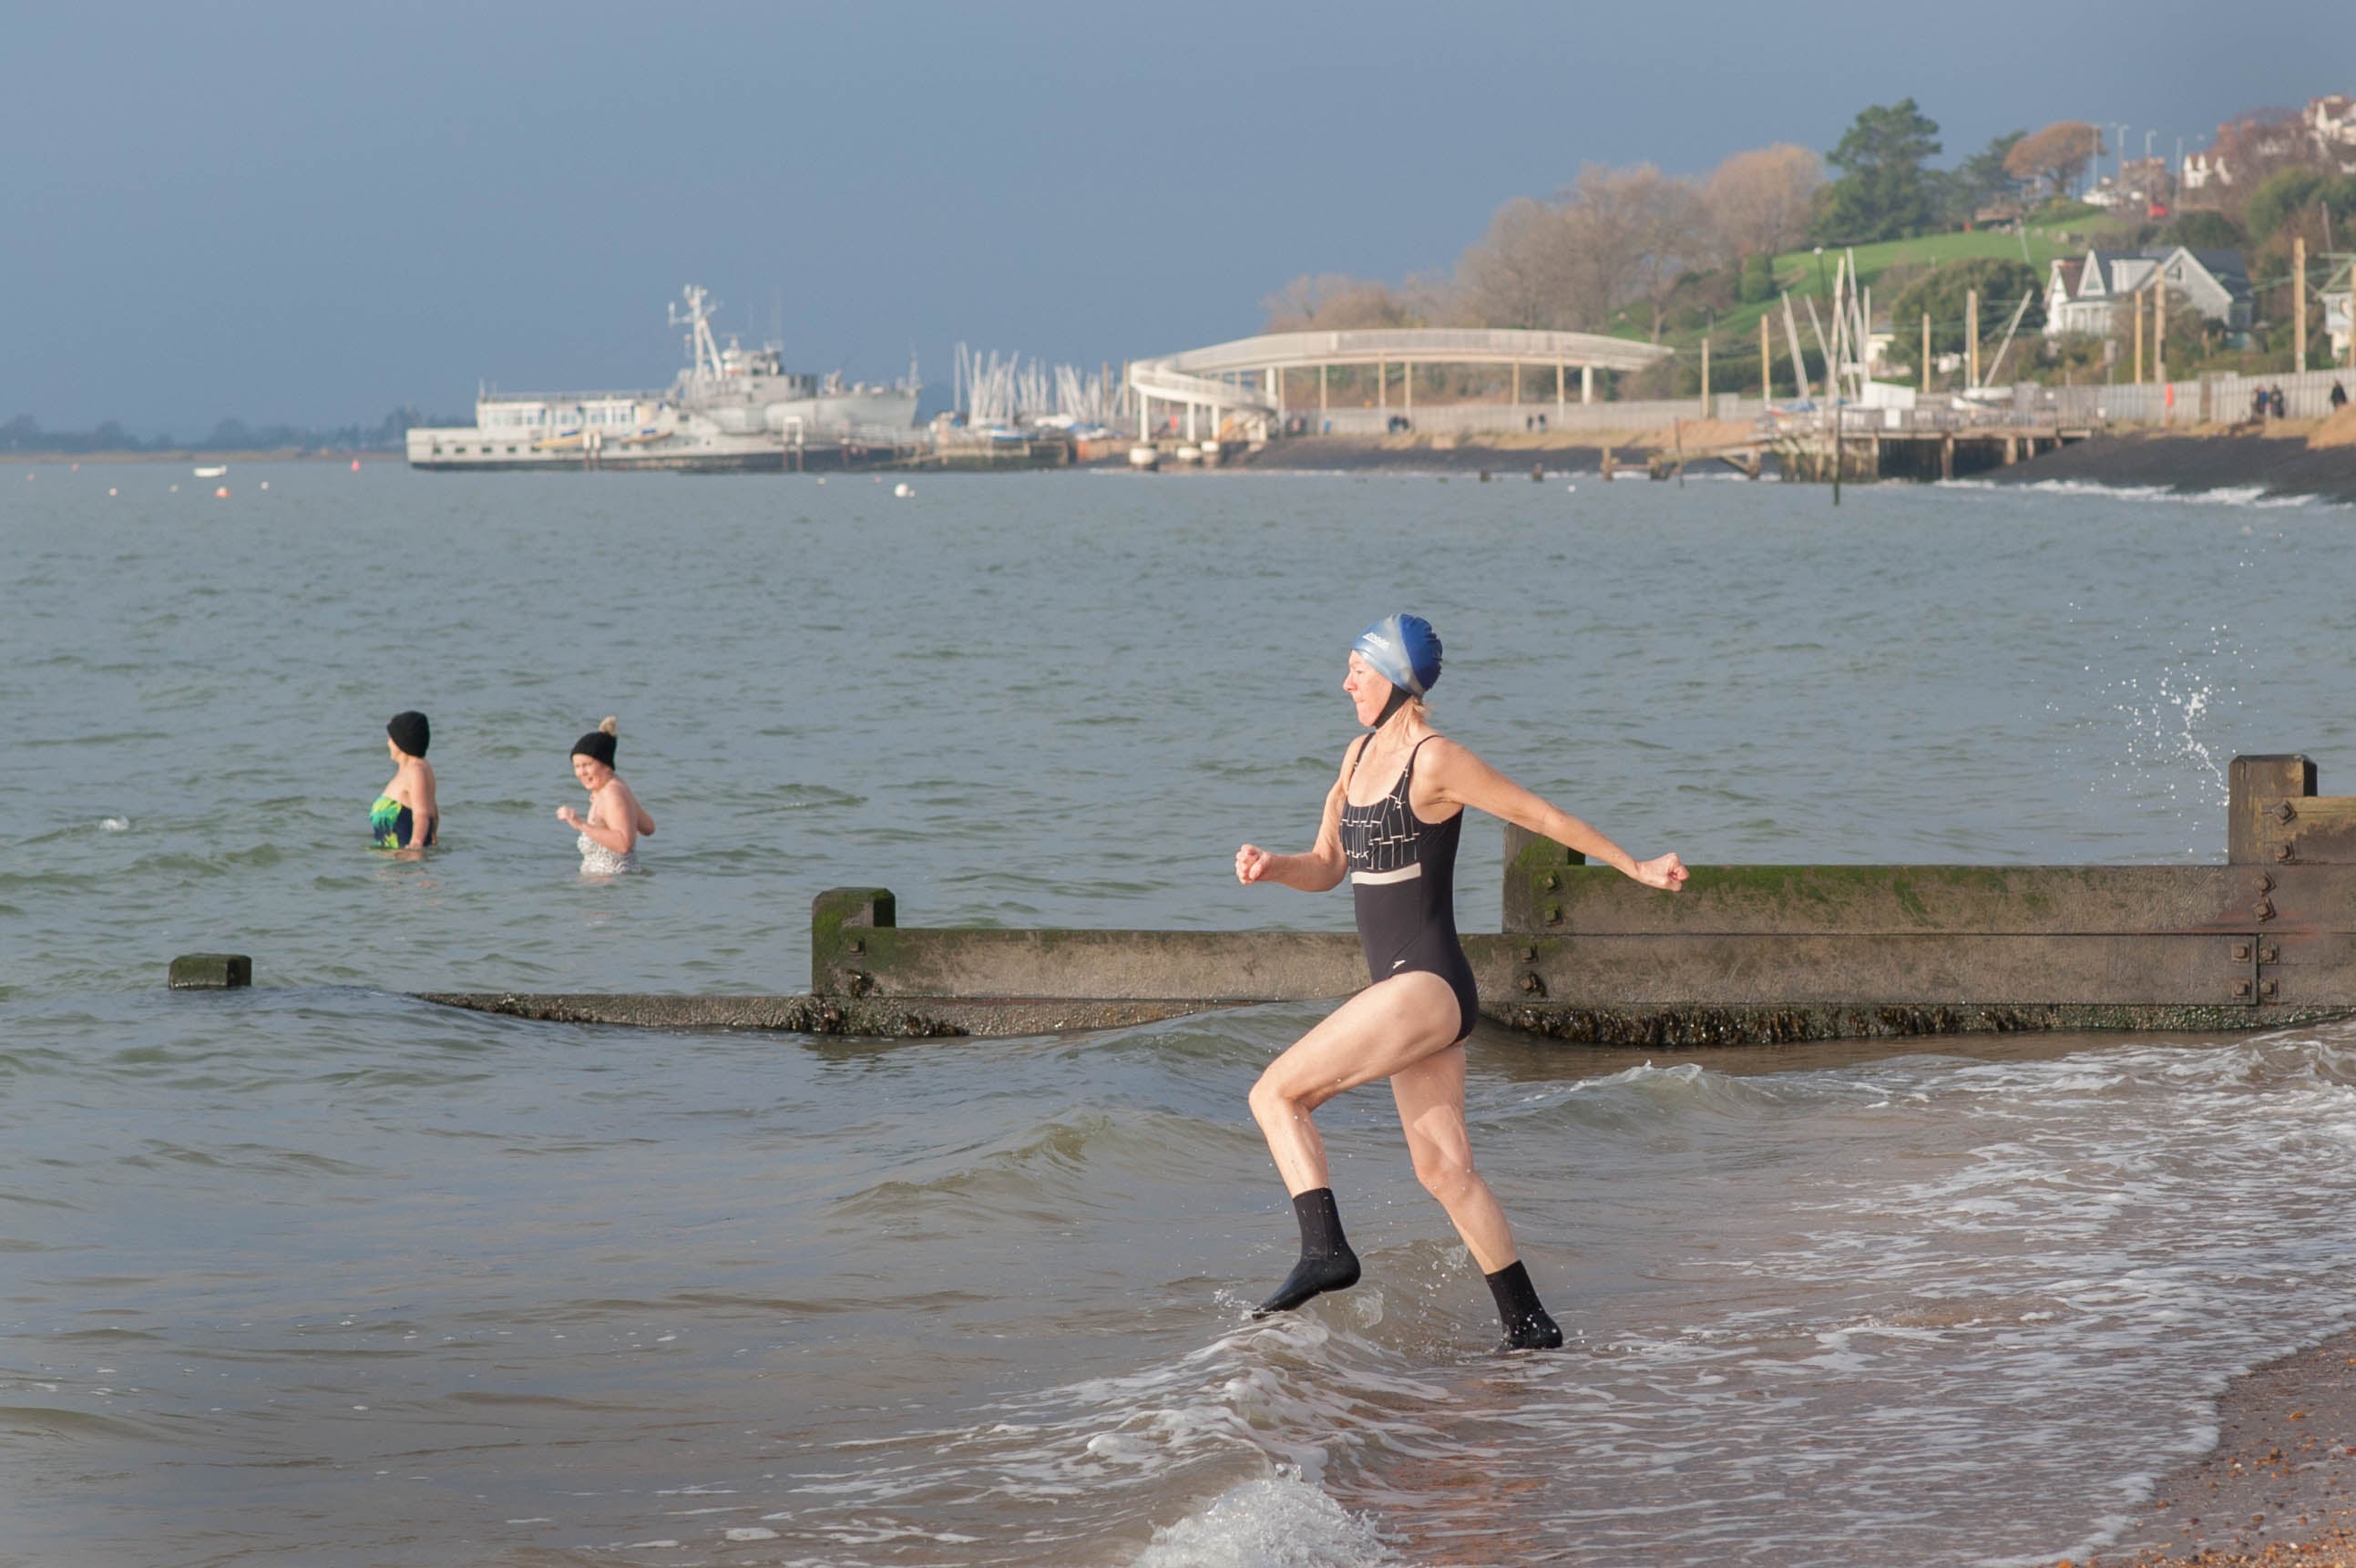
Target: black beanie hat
pixel 410 732
pixel 598 744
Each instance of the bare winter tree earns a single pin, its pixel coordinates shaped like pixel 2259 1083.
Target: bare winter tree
pixel 1334 302
pixel 1668 225
pixel 1520 273
pixel 1760 200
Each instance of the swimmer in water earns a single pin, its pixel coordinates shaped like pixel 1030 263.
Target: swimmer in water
pixel 408 798
pixel 610 833
pixel 1391 822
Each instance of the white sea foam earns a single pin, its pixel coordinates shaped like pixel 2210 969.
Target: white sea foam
pixel 1280 1522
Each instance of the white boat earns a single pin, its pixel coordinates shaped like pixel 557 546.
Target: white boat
pixel 213 473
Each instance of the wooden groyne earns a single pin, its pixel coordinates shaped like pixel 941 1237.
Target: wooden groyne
pixel 1746 954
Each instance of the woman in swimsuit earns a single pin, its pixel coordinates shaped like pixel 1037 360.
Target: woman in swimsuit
pixel 610 833
pixel 408 798
pixel 1391 822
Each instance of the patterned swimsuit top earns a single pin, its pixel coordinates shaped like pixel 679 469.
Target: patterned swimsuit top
pixel 1385 841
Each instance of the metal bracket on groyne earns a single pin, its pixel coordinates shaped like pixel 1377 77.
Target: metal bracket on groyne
pixel 1746 954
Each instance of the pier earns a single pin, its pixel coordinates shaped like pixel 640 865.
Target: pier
pixel 1745 955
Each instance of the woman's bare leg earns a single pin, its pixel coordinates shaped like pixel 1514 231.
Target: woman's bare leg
pixel 1376 1033
pixel 1431 1096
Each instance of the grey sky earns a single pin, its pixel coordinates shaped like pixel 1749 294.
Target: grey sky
pixel 312 213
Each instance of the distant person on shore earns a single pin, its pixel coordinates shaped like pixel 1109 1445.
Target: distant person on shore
pixel 2258 403
pixel 2274 402
pixel 2338 397
pixel 408 798
pixel 1395 837
pixel 610 833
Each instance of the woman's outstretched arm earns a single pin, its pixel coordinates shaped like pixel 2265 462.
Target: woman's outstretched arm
pixel 1458 775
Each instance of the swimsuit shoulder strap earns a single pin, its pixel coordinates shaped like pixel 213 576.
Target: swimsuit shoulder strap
pixel 1366 744
pixel 1407 773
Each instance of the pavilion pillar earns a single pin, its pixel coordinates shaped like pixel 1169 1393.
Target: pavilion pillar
pixel 1382 387
pixel 1587 383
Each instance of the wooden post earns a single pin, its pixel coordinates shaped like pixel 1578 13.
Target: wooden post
pixel 1926 356
pixel 2299 298
pixel 1322 372
pixel 1971 338
pixel 1766 364
pixel 1587 383
pixel 2160 329
pixel 1704 383
pixel 1517 384
pixel 2136 300
pixel 1382 387
pixel 1407 387
pixel 1558 399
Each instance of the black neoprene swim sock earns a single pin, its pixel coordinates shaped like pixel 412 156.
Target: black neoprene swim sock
pixel 1527 1326
pixel 1326 1261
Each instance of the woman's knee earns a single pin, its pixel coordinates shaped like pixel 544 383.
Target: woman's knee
pixel 1269 1099
pixel 1446 1176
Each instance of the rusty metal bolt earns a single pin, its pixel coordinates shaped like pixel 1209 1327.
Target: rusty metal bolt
pixel 2266 909
pixel 2240 952
pixel 2241 988
pixel 1533 985
pixel 1553 914
pixel 2285 851
pixel 1552 882
pixel 2267 990
pixel 2286 811
pixel 1528 954
pixel 857 944
pixel 2269 953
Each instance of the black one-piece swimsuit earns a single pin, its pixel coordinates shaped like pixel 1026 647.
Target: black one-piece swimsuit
pixel 1403 874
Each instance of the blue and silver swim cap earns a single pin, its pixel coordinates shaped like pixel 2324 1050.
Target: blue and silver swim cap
pixel 1404 650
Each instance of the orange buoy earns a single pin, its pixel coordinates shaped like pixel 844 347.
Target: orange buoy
pixel 356 465
pixel 222 494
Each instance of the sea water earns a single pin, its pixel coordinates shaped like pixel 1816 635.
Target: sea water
pixel 320 1273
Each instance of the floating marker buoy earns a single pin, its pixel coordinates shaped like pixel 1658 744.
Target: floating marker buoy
pixel 176 489
pixel 356 465
pixel 821 478
pixel 110 490
pixel 265 484
pixel 222 494
pixel 902 490
pixel 77 467
pixel 1571 488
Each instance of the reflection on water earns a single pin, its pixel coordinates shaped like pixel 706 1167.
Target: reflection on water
pixel 316 1273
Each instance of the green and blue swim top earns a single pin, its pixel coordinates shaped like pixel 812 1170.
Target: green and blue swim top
pixel 392 825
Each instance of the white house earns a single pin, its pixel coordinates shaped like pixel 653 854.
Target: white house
pixel 2082 294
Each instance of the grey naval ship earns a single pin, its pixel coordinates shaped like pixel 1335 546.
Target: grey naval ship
pixel 732 408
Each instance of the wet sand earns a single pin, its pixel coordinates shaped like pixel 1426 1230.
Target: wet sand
pixel 2280 1486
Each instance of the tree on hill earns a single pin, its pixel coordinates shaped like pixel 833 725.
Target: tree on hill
pixel 1980 181
pixel 2300 189
pixel 1884 192
pixel 2055 157
pixel 2001 282
pixel 1760 200
pixel 2204 230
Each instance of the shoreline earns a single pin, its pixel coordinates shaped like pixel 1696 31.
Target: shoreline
pixel 2280 1483
pixel 2291 458
pixel 198 455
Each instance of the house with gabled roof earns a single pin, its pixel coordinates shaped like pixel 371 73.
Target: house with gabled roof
pixel 2083 293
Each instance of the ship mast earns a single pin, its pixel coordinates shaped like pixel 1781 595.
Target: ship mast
pixel 700 344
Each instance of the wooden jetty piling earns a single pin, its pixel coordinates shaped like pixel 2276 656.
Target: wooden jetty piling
pixel 1746 954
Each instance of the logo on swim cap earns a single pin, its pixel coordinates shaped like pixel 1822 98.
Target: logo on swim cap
pixel 1404 650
